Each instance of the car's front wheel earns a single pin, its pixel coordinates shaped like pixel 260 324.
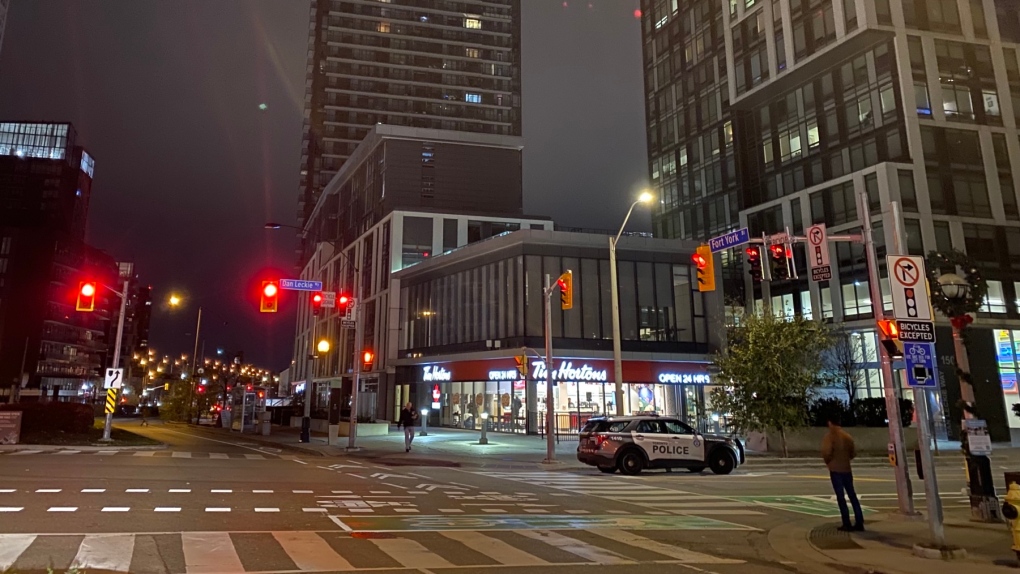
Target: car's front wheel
pixel 607 469
pixel 631 462
pixel 722 461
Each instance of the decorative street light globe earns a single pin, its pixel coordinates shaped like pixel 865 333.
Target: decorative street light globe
pixel 953 286
pixel 323 346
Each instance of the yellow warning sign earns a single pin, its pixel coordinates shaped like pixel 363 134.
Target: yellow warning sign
pixel 111 400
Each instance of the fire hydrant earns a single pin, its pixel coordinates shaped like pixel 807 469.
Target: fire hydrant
pixel 1011 510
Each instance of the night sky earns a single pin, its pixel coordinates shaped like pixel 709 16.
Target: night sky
pixel 166 95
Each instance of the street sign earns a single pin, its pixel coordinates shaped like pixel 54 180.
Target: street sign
pixel 111 401
pixel 347 323
pixel 780 238
pixel 731 239
pixel 114 379
pixel 300 285
pixel 920 359
pixel 328 299
pixel 909 288
pixel 917 331
pixel 818 253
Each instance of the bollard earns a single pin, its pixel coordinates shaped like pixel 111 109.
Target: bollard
pixel 1011 510
pixel 485 426
pixel 424 423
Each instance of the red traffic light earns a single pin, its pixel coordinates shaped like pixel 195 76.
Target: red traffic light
pixel 343 299
pixel 777 251
pixel 368 357
pixel 752 252
pixel 699 260
pixel 270 297
pixel 86 296
pixel 317 298
pixel 316 303
pixel 270 290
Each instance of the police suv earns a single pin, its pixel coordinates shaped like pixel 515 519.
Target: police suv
pixel 631 444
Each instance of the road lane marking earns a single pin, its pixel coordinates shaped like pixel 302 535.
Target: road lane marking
pixel 218 455
pixel 575 547
pixel 166 509
pixel 494 548
pixel 62 509
pixel 145 453
pixel 106 452
pixel 217 509
pixel 116 509
pixel 310 552
pixel 254 457
pixel 314 510
pixel 7 490
pixel 48 490
pixel 11 508
pixel 267 510
pixel 494 510
pixel 137 490
pixel 11 547
pixel 451 510
pixel 180 454
pixel 302 491
pixel 209 552
pixel 410 554
pixel 221 491
pixel 677 553
pixel 179 490
pixel 23 452
pixel 105 552
pixel 262 492
pixel 299 461
pixel 93 490
pixel 68 452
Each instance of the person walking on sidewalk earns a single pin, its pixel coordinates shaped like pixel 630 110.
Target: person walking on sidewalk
pixel 408 420
pixel 837 452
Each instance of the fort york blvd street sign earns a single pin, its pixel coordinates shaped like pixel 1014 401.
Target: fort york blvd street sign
pixel 529 522
pixel 731 239
pixel 300 285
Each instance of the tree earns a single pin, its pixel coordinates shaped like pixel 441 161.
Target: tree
pixel 843 364
pixel 771 366
pixel 175 404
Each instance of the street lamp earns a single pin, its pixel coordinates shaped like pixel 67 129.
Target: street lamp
pixel 645 197
pixel 176 301
pixel 323 346
pixel 957 290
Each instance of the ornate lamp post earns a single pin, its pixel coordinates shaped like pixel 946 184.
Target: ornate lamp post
pixel 957 297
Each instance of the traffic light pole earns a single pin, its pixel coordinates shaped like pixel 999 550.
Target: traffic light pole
pixel 108 425
pixel 550 410
pixel 359 342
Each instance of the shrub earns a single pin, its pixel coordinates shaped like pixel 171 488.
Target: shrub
pixel 871 412
pixel 822 410
pixel 73 418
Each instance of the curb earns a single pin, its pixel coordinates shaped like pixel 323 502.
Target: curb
pixel 253 438
pixel 83 448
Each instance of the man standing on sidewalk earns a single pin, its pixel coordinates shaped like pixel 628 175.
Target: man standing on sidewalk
pixel 837 452
pixel 408 419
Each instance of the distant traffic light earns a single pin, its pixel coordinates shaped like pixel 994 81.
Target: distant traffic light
pixel 704 260
pixel 566 284
pixel 344 302
pixel 780 260
pixel 890 337
pixel 754 262
pixel 316 303
pixel 368 359
pixel 270 297
pixel 86 296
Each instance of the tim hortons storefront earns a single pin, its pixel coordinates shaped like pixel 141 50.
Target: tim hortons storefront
pixel 456 393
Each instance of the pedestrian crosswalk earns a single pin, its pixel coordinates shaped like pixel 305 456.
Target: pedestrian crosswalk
pixel 150 454
pixel 637 493
pixel 311 551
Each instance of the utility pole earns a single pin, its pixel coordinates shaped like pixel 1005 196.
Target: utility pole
pixel 194 368
pixel 108 425
pixel 904 490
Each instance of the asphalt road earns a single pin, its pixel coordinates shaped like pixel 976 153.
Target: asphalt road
pixel 228 505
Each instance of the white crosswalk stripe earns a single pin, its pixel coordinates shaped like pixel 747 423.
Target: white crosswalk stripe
pixel 646 495
pixel 215 552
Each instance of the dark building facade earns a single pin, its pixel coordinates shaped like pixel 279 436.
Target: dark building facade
pixel 45 186
pixel 450 65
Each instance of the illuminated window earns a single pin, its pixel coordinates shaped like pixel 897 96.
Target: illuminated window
pixel 473 98
pixel 473 23
pixel 383 27
pixel 472 52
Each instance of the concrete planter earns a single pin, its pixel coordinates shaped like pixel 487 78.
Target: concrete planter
pixel 868 440
pixel 364 429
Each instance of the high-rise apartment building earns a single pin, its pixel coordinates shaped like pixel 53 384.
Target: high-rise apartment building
pixel 438 64
pixel 4 5
pixel 776 114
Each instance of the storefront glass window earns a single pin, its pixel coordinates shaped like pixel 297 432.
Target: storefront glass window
pixel 1007 346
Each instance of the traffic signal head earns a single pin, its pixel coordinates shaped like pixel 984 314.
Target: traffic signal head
pixel 343 303
pixel 270 297
pixel 367 359
pixel 86 296
pixel 754 263
pixel 890 337
pixel 566 284
pixel 316 303
pixel 780 261
pixel 704 261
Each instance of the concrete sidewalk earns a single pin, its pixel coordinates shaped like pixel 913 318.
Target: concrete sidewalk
pixel 887 545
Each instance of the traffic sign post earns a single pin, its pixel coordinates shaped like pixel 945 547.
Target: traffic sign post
pixel 909 288
pixel 114 379
pixel 917 331
pixel 818 253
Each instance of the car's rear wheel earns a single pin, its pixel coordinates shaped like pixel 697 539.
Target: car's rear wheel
pixel 607 469
pixel 696 469
pixel 631 462
pixel 722 461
